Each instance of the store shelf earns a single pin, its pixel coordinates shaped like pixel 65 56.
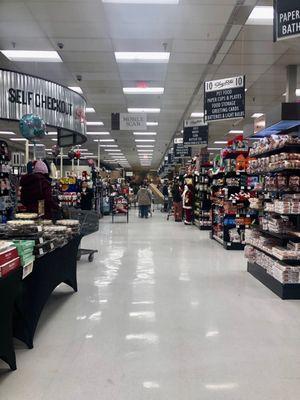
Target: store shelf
pixel 281 236
pixel 283 262
pixel 289 148
pixel 229 245
pixel 205 228
pixel 288 291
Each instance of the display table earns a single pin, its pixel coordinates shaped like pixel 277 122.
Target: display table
pixel 49 271
pixel 10 287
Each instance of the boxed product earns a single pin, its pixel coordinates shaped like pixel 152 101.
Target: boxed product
pixel 10 266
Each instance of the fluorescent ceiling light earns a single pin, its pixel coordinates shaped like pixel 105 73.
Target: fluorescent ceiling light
pixel 152 123
pixel 6 133
pixel 144 140
pixel 144 145
pixel 90 110
pixel 142 1
pixel 257 115
pixel 32 55
pixel 117 150
pixel 94 123
pixel 261 15
pixel 145 133
pixel 142 57
pixel 97 133
pixel 107 145
pixel 82 149
pixel 76 89
pixel 220 142
pixel 37 144
pixel 18 139
pixel 214 148
pixel 51 133
pixel 144 110
pixel 54 140
pixel 141 151
pixel 106 140
pixel 236 131
pixel 141 90
pixel 197 114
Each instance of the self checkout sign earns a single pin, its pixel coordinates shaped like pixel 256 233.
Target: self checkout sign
pixel 286 19
pixel 224 99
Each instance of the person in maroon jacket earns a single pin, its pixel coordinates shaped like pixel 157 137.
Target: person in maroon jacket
pixel 36 190
pixel 188 201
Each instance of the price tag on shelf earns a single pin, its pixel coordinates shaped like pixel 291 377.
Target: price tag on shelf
pixel 248 216
pixel 249 187
pixel 243 187
pixel 228 244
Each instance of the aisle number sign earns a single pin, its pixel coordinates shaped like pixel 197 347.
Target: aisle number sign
pixel 224 99
pixel 286 19
pixel 128 122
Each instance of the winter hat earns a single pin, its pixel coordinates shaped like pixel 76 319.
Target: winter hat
pixel 40 167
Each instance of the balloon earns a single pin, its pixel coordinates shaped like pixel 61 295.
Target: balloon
pixel 32 127
pixel 77 154
pixel 55 150
pixel 71 154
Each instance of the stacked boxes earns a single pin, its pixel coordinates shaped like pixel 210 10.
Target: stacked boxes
pixel 25 249
pixel 9 259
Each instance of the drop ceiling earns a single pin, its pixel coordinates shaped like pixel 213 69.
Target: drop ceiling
pixel 207 39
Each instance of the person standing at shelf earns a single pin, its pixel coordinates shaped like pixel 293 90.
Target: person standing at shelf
pixel 36 191
pixel 188 197
pixel 177 202
pixel 144 199
pixel 86 196
pixel 165 192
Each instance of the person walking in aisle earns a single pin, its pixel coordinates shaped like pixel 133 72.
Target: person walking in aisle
pixel 144 199
pixel 177 202
pixel 188 196
pixel 165 193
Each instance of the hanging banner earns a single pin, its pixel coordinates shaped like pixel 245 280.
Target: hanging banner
pixel 224 99
pixel 196 135
pixel 128 122
pixel 286 19
pixel 57 105
pixel 181 151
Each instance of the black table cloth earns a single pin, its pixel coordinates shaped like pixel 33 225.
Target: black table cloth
pixel 49 271
pixel 10 287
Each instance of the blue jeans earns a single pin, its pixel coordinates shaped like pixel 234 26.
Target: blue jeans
pixel 144 211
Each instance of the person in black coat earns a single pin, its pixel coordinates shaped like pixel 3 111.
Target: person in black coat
pixel 86 197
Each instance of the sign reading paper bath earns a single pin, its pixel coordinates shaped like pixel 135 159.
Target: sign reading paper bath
pixel 286 19
pixel 196 135
pixel 224 99
pixel 128 122
pixel 57 105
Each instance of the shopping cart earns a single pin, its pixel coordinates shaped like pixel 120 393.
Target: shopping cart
pixel 89 223
pixel 119 207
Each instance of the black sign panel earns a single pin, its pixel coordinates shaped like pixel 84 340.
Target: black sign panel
pixel 181 151
pixel 224 99
pixel 195 135
pixel 286 19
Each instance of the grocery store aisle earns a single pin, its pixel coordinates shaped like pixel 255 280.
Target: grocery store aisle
pixel 162 313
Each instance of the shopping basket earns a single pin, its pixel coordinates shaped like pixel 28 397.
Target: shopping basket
pixel 89 223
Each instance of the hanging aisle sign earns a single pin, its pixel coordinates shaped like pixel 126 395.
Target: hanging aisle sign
pixel 57 105
pixel 195 135
pixel 128 122
pixel 286 19
pixel 181 151
pixel 224 99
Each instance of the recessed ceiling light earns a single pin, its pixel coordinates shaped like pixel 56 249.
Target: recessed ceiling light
pixel 237 132
pixel 144 140
pixel 76 89
pixel 145 133
pixel 6 133
pixel 97 133
pixel 90 110
pixel 18 139
pixel 142 1
pixel 142 57
pixel 94 123
pixel 32 55
pixel 215 148
pixel 257 115
pixel 152 123
pixel 220 142
pixel 144 110
pixel 106 140
pixel 197 114
pixel 141 90
pixel 261 15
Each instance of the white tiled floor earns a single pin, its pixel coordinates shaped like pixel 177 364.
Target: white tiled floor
pixel 163 313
